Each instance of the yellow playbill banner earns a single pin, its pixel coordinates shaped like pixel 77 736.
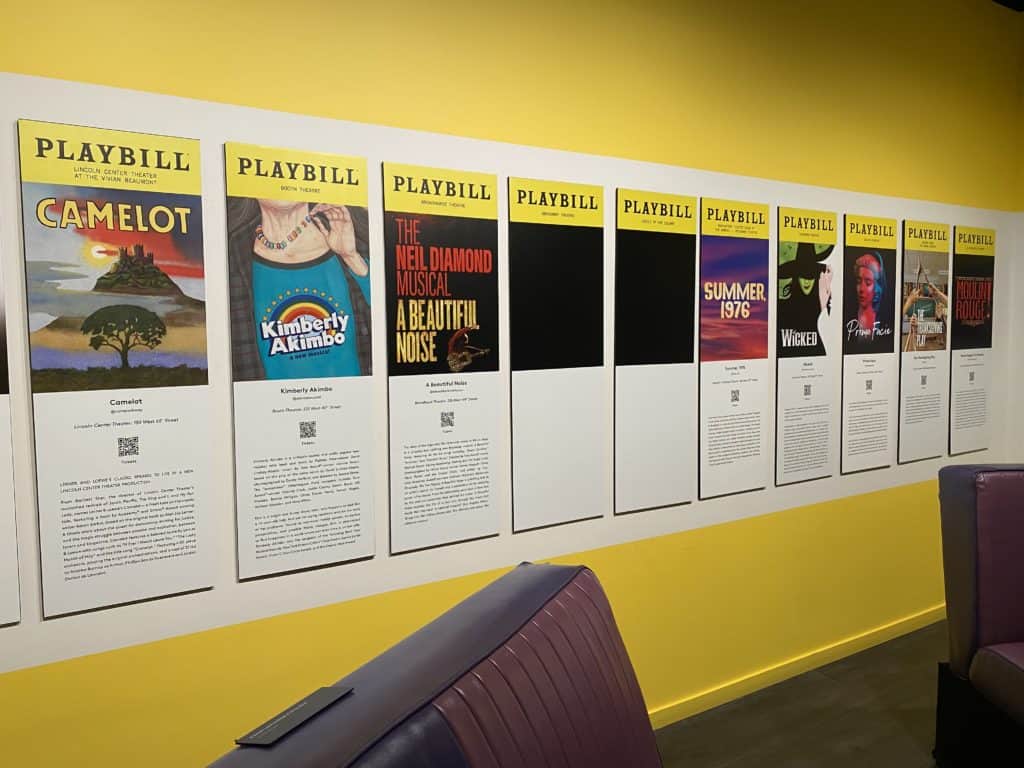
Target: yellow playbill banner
pixel 870 231
pixel 555 202
pixel 798 225
pixel 925 236
pixel 100 158
pixel 976 241
pixel 734 219
pixel 415 189
pixel 287 174
pixel 656 212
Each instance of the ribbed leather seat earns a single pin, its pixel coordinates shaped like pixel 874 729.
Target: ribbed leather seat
pixel 529 672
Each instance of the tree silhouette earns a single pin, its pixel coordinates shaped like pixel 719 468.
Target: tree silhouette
pixel 124 327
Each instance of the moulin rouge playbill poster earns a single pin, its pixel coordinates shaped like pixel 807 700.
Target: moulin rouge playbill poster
pixel 971 316
pixel 299 279
pixel 444 390
pixel 115 287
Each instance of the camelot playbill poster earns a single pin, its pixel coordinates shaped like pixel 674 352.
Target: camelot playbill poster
pixel 869 343
pixel 655 375
pixel 444 387
pixel 805 345
pixel 299 280
pixel 115 288
pixel 734 385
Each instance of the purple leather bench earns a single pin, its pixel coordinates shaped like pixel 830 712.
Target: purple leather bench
pixel 529 672
pixel 981 690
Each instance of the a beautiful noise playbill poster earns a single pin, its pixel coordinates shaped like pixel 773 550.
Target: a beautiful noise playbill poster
pixel 806 344
pixel 869 344
pixel 444 388
pixel 734 384
pixel 974 251
pixel 114 267
pixel 299 280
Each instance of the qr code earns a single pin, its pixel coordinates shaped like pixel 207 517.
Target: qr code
pixel 734 396
pixel 807 390
pixel 127 446
pixel 868 384
pixel 447 418
pixel 970 376
pixel 307 430
pixel 924 380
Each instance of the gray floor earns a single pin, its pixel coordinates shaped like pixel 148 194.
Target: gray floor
pixel 872 710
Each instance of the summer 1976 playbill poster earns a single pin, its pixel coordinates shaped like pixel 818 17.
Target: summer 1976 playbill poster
pixel 299 280
pixel 114 266
pixel 733 346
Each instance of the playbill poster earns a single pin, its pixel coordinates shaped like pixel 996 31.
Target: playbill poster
pixel 113 235
pixel 734 385
pixel 446 401
pixel 560 450
pixel 974 251
pixel 299 277
pixel 869 343
pixel 10 604
pixel 806 344
pixel 924 333
pixel 655 376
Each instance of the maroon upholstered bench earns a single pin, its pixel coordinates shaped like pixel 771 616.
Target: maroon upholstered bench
pixel 980 714
pixel 529 672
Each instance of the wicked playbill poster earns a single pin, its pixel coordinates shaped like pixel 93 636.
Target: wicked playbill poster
pixel 655 378
pixel 560 452
pixel 734 369
pixel 113 236
pixel 445 395
pixel 10 606
pixel 924 359
pixel 974 251
pixel 869 343
pixel 806 345
pixel 299 274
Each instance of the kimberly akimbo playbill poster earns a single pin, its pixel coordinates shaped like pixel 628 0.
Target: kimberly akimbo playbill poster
pixel 114 267
pixel 299 266
pixel 445 401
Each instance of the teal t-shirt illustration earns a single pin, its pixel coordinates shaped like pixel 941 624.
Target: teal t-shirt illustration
pixel 304 322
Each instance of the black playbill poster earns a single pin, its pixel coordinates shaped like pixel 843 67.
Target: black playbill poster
pixel 556 326
pixel 444 386
pixel 655 378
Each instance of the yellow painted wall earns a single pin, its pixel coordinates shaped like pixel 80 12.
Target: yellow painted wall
pixel 912 98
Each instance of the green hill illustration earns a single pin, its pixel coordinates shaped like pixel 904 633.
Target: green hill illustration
pixel 135 272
